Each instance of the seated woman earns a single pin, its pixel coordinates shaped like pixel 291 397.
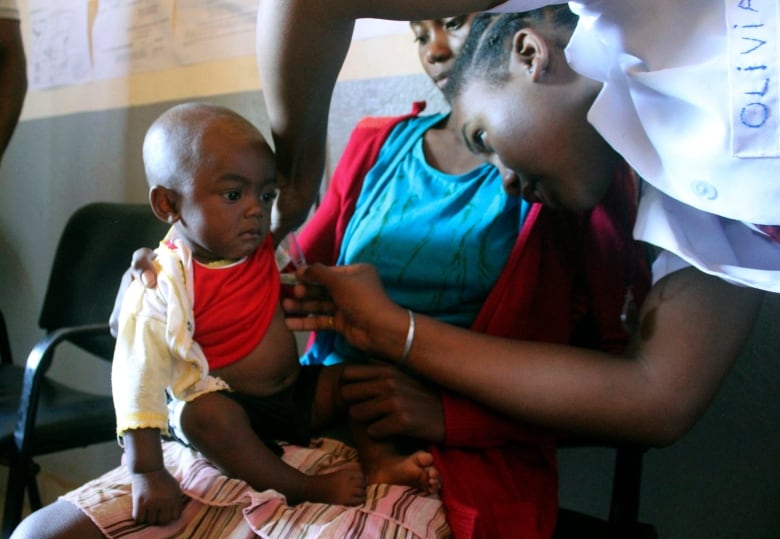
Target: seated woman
pixel 450 243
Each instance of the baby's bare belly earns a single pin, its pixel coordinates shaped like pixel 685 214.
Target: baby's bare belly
pixel 271 367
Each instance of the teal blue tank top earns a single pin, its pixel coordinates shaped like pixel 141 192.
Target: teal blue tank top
pixel 438 241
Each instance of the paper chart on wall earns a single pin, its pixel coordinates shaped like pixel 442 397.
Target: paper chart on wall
pixel 131 36
pixel 58 52
pixel 368 28
pixel 212 29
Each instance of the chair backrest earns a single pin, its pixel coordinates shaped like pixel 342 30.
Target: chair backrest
pixel 94 250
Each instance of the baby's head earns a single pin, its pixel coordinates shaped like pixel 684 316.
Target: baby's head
pixel 521 106
pixel 212 175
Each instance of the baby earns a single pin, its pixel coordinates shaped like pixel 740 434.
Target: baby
pixel 210 341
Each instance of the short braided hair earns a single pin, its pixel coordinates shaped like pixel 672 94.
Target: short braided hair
pixel 485 54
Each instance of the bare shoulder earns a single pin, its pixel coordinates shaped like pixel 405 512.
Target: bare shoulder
pixel 692 328
pixel 689 292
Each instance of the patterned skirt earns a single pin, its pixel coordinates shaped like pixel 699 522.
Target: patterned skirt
pixel 225 508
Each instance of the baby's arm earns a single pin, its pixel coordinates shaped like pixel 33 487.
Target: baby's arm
pixel 140 373
pixel 157 497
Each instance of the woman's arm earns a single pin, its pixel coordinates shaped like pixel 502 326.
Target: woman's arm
pixel 301 45
pixel 394 403
pixel 13 79
pixel 692 327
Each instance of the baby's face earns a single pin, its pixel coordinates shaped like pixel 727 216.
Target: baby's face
pixel 226 213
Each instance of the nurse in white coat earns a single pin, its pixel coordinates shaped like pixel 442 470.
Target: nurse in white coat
pixel 672 102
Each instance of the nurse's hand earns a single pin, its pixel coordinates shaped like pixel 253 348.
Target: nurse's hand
pixel 352 301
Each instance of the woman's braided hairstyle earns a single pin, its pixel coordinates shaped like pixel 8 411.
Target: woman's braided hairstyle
pixel 485 54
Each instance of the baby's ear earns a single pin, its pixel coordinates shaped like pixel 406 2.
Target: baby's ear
pixel 530 53
pixel 164 203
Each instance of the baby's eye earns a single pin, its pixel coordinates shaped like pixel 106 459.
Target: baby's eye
pixel 232 196
pixel 268 197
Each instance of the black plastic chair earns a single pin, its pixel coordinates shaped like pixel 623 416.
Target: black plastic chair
pixel 623 521
pixel 41 416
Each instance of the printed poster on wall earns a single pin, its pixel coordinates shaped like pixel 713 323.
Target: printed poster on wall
pixel 368 28
pixel 211 29
pixel 132 36
pixel 58 51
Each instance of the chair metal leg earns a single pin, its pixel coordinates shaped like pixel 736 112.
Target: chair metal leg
pixel 626 485
pixel 33 493
pixel 14 496
pixel 624 508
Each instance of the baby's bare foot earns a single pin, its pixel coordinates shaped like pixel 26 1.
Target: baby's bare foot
pixel 415 470
pixel 346 486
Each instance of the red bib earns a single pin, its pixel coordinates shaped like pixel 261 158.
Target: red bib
pixel 234 305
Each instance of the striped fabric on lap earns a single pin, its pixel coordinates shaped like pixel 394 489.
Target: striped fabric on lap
pixel 221 507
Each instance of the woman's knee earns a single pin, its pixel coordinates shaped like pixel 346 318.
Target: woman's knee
pixel 59 520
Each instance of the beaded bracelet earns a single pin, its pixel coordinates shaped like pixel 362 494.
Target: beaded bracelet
pixel 409 337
